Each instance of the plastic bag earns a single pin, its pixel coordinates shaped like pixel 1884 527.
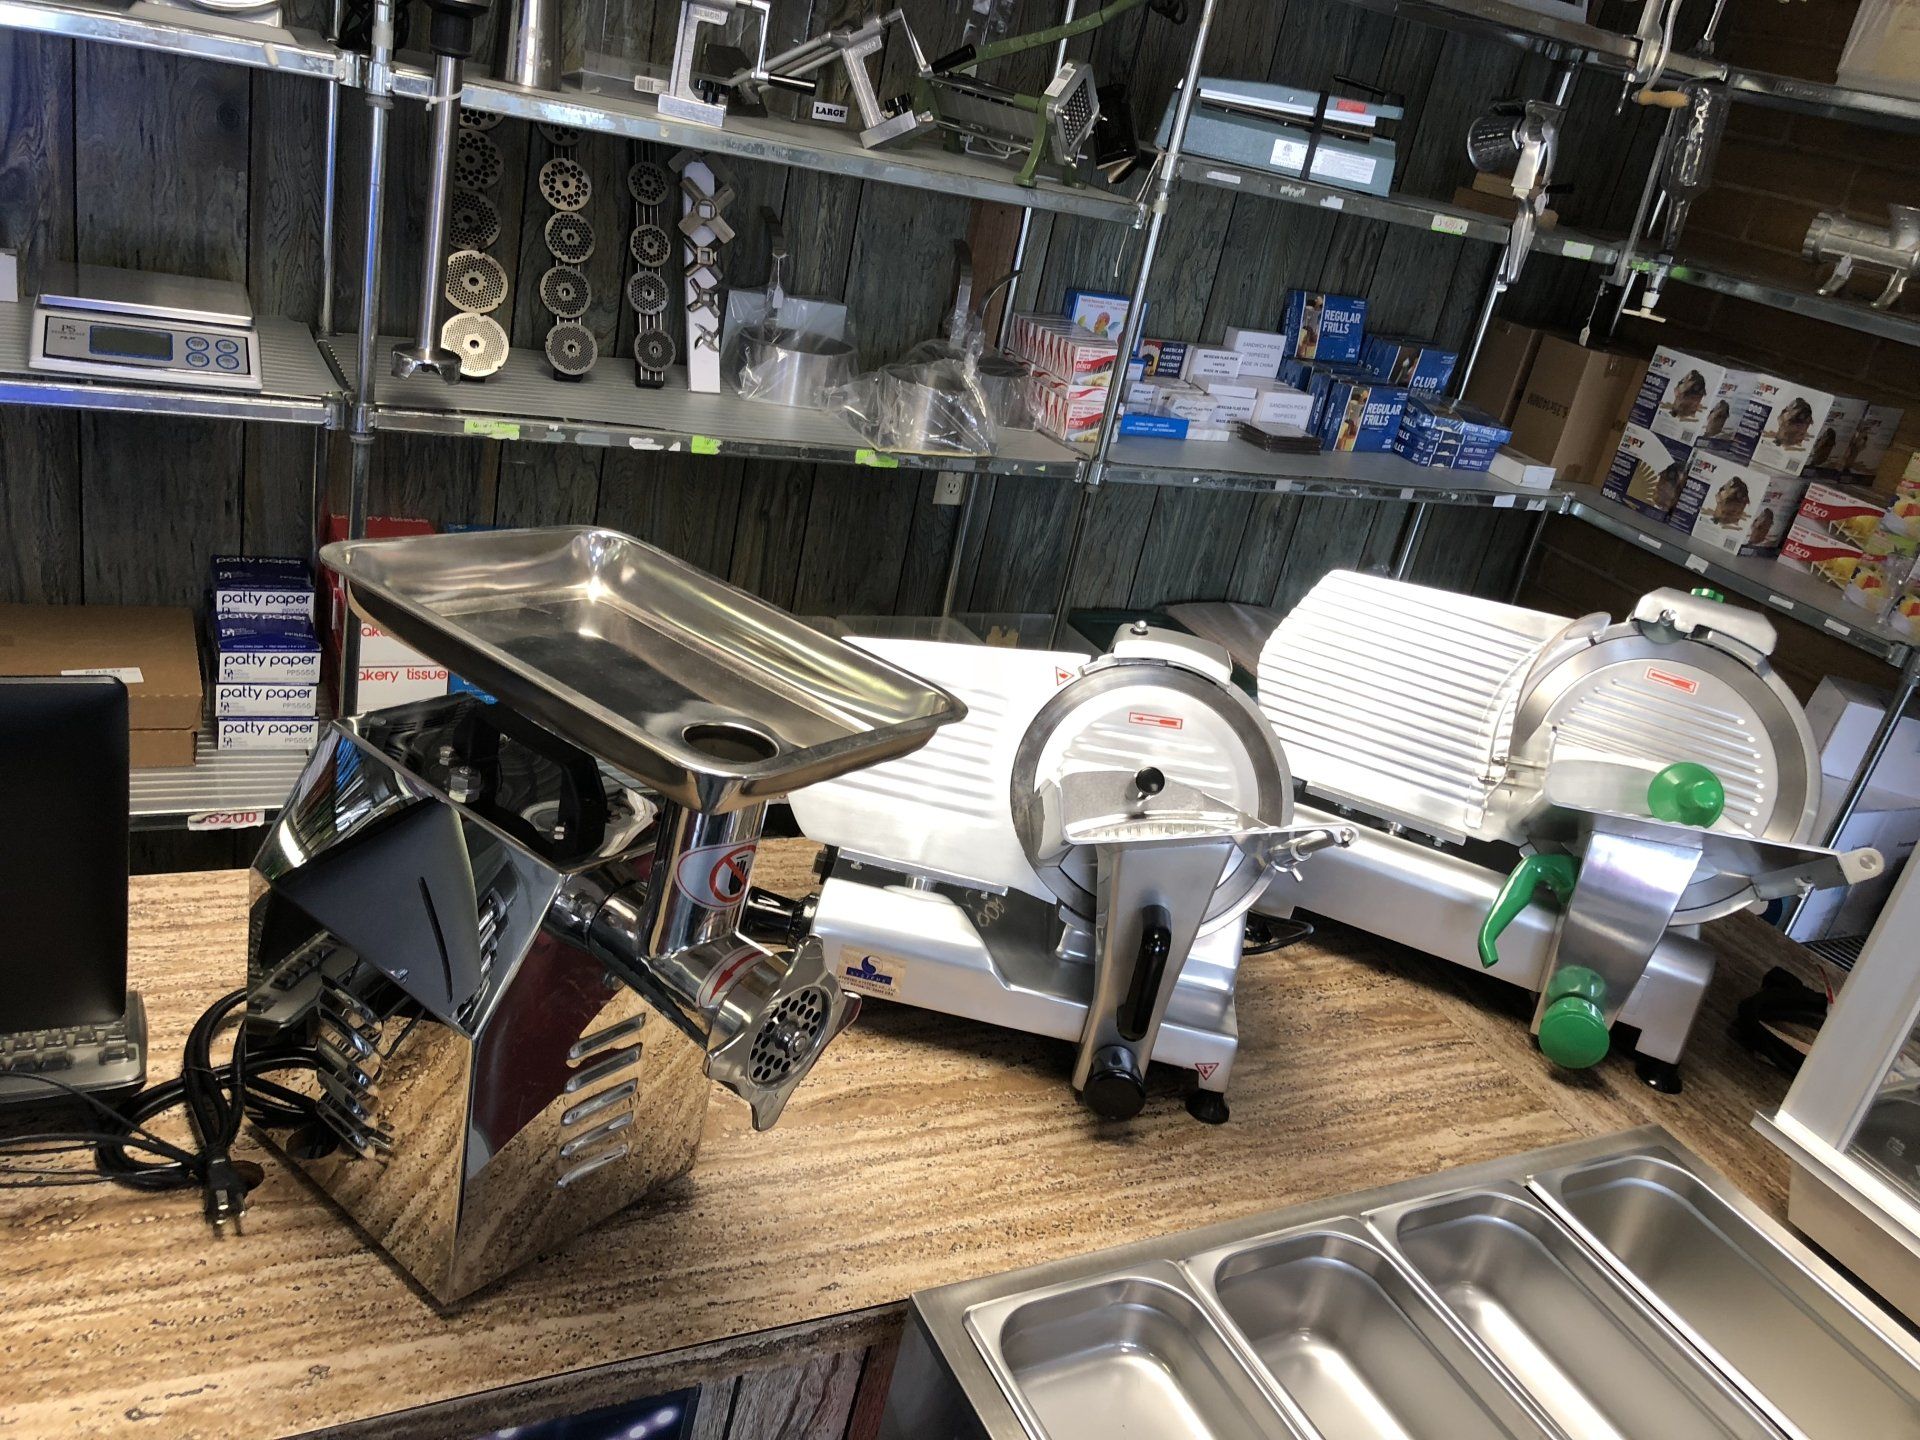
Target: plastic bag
pixel 928 402
pixel 802 355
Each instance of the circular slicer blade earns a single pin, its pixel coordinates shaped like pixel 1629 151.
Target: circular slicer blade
pixel 565 292
pixel 571 348
pixel 476 282
pixel 479 342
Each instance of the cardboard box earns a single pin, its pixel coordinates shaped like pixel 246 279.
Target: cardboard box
pixel 1064 350
pixel 1361 415
pixel 1499 376
pixel 151 649
pixel 1843 715
pixel 1648 472
pixel 1849 910
pixel 1329 328
pixel 1071 413
pixel 383 686
pixel 261 732
pixel 1827 460
pixel 263 699
pixel 1522 470
pixel 1850 510
pixel 1209 362
pixel 1260 351
pixel 1573 407
pixel 1284 405
pixel 1770 420
pixel 1817 550
pixel 1677 393
pixel 1100 311
pixel 1871 439
pixel 1741 509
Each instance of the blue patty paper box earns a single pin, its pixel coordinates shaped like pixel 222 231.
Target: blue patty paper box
pixel 1329 328
pixel 284 651
pixel 264 699
pixel 1361 415
pixel 1423 367
pixel 1648 472
pixel 258 586
pixel 257 732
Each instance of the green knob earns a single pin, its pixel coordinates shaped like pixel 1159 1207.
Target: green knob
pixel 1573 1033
pixel 1686 794
pixel 1707 592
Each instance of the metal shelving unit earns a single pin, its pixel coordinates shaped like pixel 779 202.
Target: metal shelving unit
pixel 1238 465
pixel 204 36
pixel 525 402
pixel 300 387
pixel 222 789
pixel 926 165
pixel 1786 591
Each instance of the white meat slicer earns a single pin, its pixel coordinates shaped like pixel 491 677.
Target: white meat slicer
pixel 1076 858
pixel 1650 775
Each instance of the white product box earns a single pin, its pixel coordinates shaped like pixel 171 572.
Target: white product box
pixel 1207 363
pixel 260 699
pixel 383 686
pixel 1843 714
pixel 1241 389
pixel 1283 405
pixel 1231 410
pixel 1187 402
pixel 1738 508
pixel 1772 421
pixel 10 277
pixel 1517 469
pixel 253 732
pixel 1871 440
pixel 1677 393
pixel 379 648
pixel 1828 457
pixel 1260 351
pixel 1850 910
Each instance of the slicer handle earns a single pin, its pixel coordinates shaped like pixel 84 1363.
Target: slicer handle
pixel 1557 872
pixel 1156 947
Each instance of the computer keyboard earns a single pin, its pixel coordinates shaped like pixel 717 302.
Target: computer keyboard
pixel 92 1058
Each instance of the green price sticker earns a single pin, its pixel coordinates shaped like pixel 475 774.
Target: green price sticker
pixel 703 445
pixel 1448 224
pixel 875 459
pixel 494 429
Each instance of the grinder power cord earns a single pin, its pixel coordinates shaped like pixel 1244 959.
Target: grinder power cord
pixel 216 1098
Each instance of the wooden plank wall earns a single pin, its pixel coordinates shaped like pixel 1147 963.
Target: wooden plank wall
pixel 125 158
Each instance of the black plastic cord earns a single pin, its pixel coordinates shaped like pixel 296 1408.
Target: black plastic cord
pixel 217 1098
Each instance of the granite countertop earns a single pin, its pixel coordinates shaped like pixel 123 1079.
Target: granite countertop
pixel 922 1150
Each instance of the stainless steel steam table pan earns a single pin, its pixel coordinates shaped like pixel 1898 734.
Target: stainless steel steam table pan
pixel 1612 1289
pixel 710 696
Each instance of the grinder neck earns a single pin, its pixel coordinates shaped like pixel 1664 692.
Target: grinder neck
pixel 762 1018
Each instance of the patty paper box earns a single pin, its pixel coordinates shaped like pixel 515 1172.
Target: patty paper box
pixel 1741 509
pixel 1827 460
pixel 285 651
pixel 263 699
pixel 1648 472
pixel 1677 394
pixel 1325 327
pixel 253 732
pixel 260 586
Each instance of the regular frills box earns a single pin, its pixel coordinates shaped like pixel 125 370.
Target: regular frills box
pixel 151 649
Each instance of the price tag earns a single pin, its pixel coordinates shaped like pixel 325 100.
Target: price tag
pixel 1223 177
pixel 1504 502
pixel 1647 540
pixel 1696 564
pixel 493 429
pixel 227 820
pixel 1332 202
pixel 1577 250
pixel 1837 628
pixel 1448 224
pixel 1782 601
pixel 703 445
pixel 125 674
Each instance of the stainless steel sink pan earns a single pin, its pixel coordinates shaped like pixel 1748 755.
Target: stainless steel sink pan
pixel 1799 1346
pixel 1348 1338
pixel 1132 1355
pixel 1594 1357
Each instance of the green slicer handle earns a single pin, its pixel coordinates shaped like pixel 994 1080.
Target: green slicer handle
pixel 1573 1027
pixel 1686 794
pixel 1557 872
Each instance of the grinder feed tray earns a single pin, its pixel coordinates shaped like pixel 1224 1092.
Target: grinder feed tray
pixel 706 694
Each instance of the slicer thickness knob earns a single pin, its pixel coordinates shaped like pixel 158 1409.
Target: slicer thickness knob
pixel 1686 794
pixel 1573 1029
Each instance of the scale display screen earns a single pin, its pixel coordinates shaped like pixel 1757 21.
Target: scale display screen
pixel 133 344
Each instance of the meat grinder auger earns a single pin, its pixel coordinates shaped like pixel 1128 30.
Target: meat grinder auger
pixel 1645 776
pixel 503 927
pixel 1076 858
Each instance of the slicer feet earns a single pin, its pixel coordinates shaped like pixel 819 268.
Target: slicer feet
pixel 1209 1107
pixel 1661 1075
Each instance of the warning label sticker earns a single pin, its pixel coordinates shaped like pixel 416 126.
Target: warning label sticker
pixel 1155 722
pixel 1685 684
pixel 715 875
pixel 1205 1068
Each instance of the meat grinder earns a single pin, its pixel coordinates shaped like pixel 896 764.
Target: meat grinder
pixel 1644 777
pixel 503 925
pixel 1075 859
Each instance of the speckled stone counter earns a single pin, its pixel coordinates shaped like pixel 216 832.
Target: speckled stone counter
pixel 922 1150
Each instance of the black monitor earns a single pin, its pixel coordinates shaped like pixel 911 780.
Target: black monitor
pixel 63 852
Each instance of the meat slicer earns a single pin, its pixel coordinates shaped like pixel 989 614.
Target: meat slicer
pixel 1647 776
pixel 503 926
pixel 1076 858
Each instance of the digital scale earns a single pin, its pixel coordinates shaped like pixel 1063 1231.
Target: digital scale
pixel 109 324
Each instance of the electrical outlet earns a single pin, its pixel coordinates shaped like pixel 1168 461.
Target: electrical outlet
pixel 950 488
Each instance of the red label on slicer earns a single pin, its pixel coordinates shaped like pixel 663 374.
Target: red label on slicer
pixel 1683 683
pixel 1157 722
